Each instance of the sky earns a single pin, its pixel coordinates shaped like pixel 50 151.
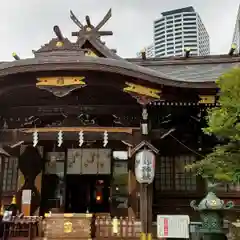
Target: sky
pixel 25 25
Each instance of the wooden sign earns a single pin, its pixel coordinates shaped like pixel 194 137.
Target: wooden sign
pixel 74 161
pixel 89 161
pixel 104 161
pixel 59 226
pixel 173 226
pixel 55 162
pixel 26 202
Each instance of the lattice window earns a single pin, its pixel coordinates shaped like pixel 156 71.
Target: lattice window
pixel 184 180
pixel 228 188
pixel 164 173
pixel 10 174
pixel 172 175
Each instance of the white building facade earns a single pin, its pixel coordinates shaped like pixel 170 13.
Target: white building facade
pixel 179 29
pixel 150 53
pixel 236 34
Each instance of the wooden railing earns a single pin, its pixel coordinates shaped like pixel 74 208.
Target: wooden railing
pixel 22 228
pixel 99 228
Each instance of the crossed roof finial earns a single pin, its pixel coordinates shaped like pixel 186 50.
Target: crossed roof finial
pixel 89 29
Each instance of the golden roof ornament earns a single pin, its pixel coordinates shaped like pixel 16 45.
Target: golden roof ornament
pixel 59 44
pixel 89 29
pixel 90 53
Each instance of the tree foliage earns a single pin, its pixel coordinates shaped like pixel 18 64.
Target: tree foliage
pixel 224 122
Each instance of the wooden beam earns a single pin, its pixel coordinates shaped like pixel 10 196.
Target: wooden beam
pixel 79 129
pixel 12 136
pixel 70 109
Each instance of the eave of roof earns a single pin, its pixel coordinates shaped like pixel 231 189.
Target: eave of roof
pixel 185 61
pixel 193 69
pixel 75 63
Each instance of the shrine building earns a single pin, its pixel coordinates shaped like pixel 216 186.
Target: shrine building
pixel 74 115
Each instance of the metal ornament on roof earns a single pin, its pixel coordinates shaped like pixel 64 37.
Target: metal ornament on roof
pixel 145 166
pixel 89 30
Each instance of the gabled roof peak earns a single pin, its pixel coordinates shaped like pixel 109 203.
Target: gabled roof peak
pixel 89 30
pixel 88 39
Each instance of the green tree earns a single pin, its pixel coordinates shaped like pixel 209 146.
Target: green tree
pixel 224 122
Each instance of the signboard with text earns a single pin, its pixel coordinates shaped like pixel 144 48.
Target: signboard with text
pixel 173 226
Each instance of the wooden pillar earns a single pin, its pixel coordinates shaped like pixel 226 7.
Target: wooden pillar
pixel 2 159
pixel 149 209
pixel 144 209
pixel 147 193
pixel 133 185
pixel 64 196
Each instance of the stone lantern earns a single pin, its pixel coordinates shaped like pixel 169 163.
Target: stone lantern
pixel 212 210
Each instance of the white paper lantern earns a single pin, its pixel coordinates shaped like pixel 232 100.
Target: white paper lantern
pixel 145 166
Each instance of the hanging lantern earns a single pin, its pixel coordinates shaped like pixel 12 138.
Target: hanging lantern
pixel 35 139
pixel 99 191
pixel 145 166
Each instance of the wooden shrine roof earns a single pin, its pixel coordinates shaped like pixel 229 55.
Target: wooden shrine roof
pixel 192 69
pixel 60 54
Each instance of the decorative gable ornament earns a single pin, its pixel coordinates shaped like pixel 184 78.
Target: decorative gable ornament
pixel 146 145
pixel 60 86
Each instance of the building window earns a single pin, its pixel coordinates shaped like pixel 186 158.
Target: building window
pixel 178 25
pixel 10 174
pixel 189 14
pixel 189 28
pixel 178 33
pixel 190 19
pixel 189 23
pixel 178 51
pixel 227 188
pixel 171 174
pixel 190 36
pixel 190 32
pixel 177 16
pixel 176 38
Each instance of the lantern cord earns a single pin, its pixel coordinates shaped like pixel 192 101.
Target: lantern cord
pixel 193 151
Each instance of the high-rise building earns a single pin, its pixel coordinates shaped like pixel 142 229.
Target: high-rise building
pixel 149 51
pixel 179 29
pixel 236 34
